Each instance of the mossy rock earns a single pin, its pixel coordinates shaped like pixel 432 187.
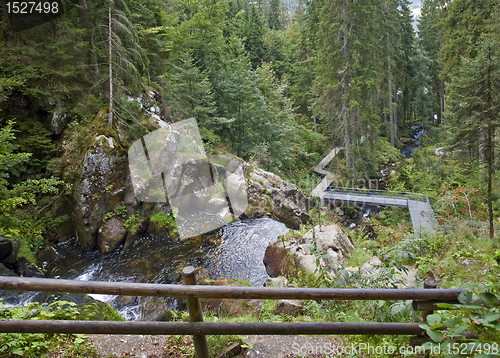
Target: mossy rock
pixel 89 308
pixel 173 316
pixel 98 311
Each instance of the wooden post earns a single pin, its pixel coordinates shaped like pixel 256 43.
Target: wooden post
pixel 195 314
pixel 431 285
pixel 420 340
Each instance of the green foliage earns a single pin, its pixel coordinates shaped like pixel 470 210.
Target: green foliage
pixel 121 211
pixel 38 344
pixel 20 200
pixel 163 219
pixel 481 318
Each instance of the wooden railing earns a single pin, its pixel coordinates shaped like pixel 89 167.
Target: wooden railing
pixel 424 300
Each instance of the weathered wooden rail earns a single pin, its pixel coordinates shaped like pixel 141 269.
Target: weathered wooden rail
pixel 424 299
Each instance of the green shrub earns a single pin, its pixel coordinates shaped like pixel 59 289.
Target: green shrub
pixel 480 319
pixel 38 344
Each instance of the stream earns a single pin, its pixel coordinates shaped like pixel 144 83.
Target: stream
pixel 234 251
pixel 409 148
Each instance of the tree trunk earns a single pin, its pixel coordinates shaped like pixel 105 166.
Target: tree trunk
pixel 483 146
pixel 489 146
pixel 346 92
pixel 83 12
pixel 441 101
pixel 391 115
pixel 110 118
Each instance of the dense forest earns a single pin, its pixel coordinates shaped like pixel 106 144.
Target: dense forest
pixel 276 83
pixel 263 84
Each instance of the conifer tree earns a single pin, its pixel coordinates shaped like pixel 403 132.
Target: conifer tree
pixel 430 40
pixel 274 21
pixel 475 102
pixel 254 33
pixel 125 59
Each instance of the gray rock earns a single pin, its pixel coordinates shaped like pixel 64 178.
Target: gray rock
pixel 292 308
pixel 58 122
pixel 12 258
pixel 111 235
pixel 136 232
pixel 6 247
pixel 286 256
pixel 333 240
pixel 276 282
pixel 27 269
pixel 269 194
pixel 214 205
pixel 99 187
pixel 4 271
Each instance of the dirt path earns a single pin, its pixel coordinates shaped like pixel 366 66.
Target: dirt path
pixel 291 346
pixel 109 345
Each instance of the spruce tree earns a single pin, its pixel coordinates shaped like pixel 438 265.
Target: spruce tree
pixel 254 42
pixel 475 102
pixel 274 20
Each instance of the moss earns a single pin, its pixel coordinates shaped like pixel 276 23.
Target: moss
pixel 291 234
pixel 220 161
pixel 249 171
pixel 98 311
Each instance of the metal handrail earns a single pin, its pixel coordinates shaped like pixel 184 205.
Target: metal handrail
pixel 325 153
pixel 378 192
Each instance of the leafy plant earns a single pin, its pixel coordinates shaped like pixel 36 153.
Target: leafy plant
pixel 480 319
pixel 37 344
pixel 120 210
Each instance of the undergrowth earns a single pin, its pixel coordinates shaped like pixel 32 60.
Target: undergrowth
pixel 43 344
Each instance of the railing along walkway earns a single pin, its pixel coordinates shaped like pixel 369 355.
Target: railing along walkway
pixel 421 213
pixel 328 176
pixel 424 300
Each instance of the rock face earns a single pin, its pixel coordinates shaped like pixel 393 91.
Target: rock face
pixel 99 187
pixel 269 194
pixel 6 247
pixel 294 252
pixel 8 253
pixel 101 170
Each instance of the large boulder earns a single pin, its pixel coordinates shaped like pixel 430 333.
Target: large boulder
pixel 99 186
pixel 111 235
pixel 227 306
pixel 279 261
pixel 270 194
pixel 4 271
pixel 332 240
pixel 295 251
pixel 12 258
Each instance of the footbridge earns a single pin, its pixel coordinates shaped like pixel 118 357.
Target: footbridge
pixel 421 213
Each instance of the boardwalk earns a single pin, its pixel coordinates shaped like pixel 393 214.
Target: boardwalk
pixel 420 209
